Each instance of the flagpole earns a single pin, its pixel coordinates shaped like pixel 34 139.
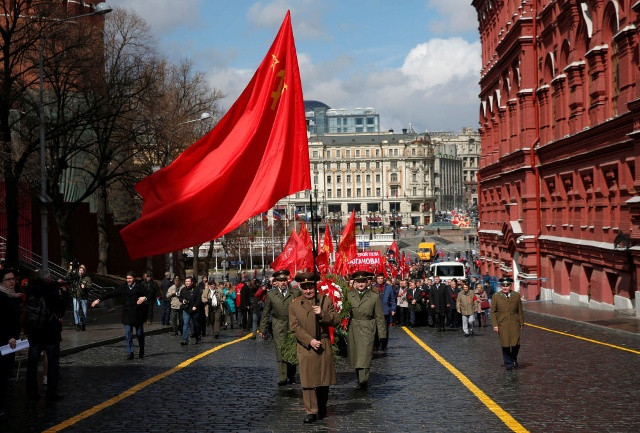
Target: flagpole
pixel 262 237
pixel 273 243
pixel 315 255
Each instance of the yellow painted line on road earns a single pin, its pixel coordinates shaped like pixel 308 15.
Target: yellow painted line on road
pixel 134 389
pixel 484 398
pixel 584 338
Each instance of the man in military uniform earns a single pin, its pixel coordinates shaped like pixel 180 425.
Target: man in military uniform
pixel 365 317
pixel 277 305
pixel 507 320
pixel 310 316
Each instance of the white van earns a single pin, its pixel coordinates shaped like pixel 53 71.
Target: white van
pixel 448 270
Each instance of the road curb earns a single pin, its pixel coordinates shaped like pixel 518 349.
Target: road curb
pixel 620 332
pixel 71 350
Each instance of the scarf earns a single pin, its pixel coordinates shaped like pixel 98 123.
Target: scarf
pixel 10 292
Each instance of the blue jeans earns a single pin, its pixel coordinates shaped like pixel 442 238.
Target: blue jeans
pixel 128 336
pixel 257 315
pixel 195 322
pixel 80 311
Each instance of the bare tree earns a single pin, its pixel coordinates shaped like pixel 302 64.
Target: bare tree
pixel 19 42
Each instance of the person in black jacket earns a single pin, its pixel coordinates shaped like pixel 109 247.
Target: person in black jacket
pixel 47 337
pixel 192 306
pixel 10 310
pixel 133 296
pixel 439 301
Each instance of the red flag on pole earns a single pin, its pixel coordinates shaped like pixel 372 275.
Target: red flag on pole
pixel 288 258
pixel 307 253
pixel 394 249
pixel 347 249
pixel 322 261
pixel 236 166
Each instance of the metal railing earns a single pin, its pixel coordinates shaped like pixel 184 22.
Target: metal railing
pixel 32 261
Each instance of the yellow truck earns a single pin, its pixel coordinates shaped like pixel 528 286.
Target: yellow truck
pixel 426 251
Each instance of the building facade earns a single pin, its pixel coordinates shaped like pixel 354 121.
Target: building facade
pixel 467 148
pixel 390 179
pixel 560 172
pixel 321 119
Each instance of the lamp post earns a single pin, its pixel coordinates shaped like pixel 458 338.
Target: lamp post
pixel 100 9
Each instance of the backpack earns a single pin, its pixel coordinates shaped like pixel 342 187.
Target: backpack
pixel 37 314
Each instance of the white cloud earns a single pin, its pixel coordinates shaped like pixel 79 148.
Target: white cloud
pixel 439 61
pixel 306 16
pixel 455 16
pixel 436 88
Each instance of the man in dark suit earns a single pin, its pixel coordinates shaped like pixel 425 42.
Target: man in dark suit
pixel 439 301
pixel 388 299
pixel 133 297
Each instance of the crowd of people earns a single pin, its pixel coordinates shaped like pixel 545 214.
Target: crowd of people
pixel 269 308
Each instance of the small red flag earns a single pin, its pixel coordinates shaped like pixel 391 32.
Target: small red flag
pixel 347 249
pixel 288 259
pixel 236 167
pixel 323 259
pixel 394 250
pixel 307 252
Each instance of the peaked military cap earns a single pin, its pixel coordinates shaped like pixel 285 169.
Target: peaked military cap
pixel 361 275
pixel 506 281
pixel 306 278
pixel 282 275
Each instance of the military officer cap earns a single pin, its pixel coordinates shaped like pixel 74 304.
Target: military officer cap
pixel 281 275
pixel 506 281
pixel 361 276
pixel 306 278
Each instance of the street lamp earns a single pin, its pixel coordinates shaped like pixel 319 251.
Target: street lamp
pixel 100 9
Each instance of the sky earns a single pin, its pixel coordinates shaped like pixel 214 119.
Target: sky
pixel 417 62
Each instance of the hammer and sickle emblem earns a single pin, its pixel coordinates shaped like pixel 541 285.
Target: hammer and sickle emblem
pixel 275 95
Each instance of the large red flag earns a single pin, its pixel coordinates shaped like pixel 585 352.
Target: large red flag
pixel 347 249
pixel 322 261
pixel 288 258
pixel 307 251
pixel 237 167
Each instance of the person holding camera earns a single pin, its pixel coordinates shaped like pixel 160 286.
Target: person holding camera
pixel 80 284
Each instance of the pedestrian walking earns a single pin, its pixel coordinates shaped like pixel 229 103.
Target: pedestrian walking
pixel 166 302
pixel 277 305
pixel 507 320
pixel 133 297
pixel 213 298
pixel 80 285
pixel 439 302
pixel 10 313
pixel 44 311
pixel 467 305
pixel 310 316
pixel 192 307
pixel 365 318
pixel 173 295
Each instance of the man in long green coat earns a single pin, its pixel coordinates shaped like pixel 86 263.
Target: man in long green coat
pixel 507 320
pixel 365 317
pixel 277 305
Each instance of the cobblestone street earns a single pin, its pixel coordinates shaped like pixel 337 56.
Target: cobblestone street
pixel 560 385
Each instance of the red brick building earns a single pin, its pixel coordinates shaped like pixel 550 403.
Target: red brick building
pixel 560 167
